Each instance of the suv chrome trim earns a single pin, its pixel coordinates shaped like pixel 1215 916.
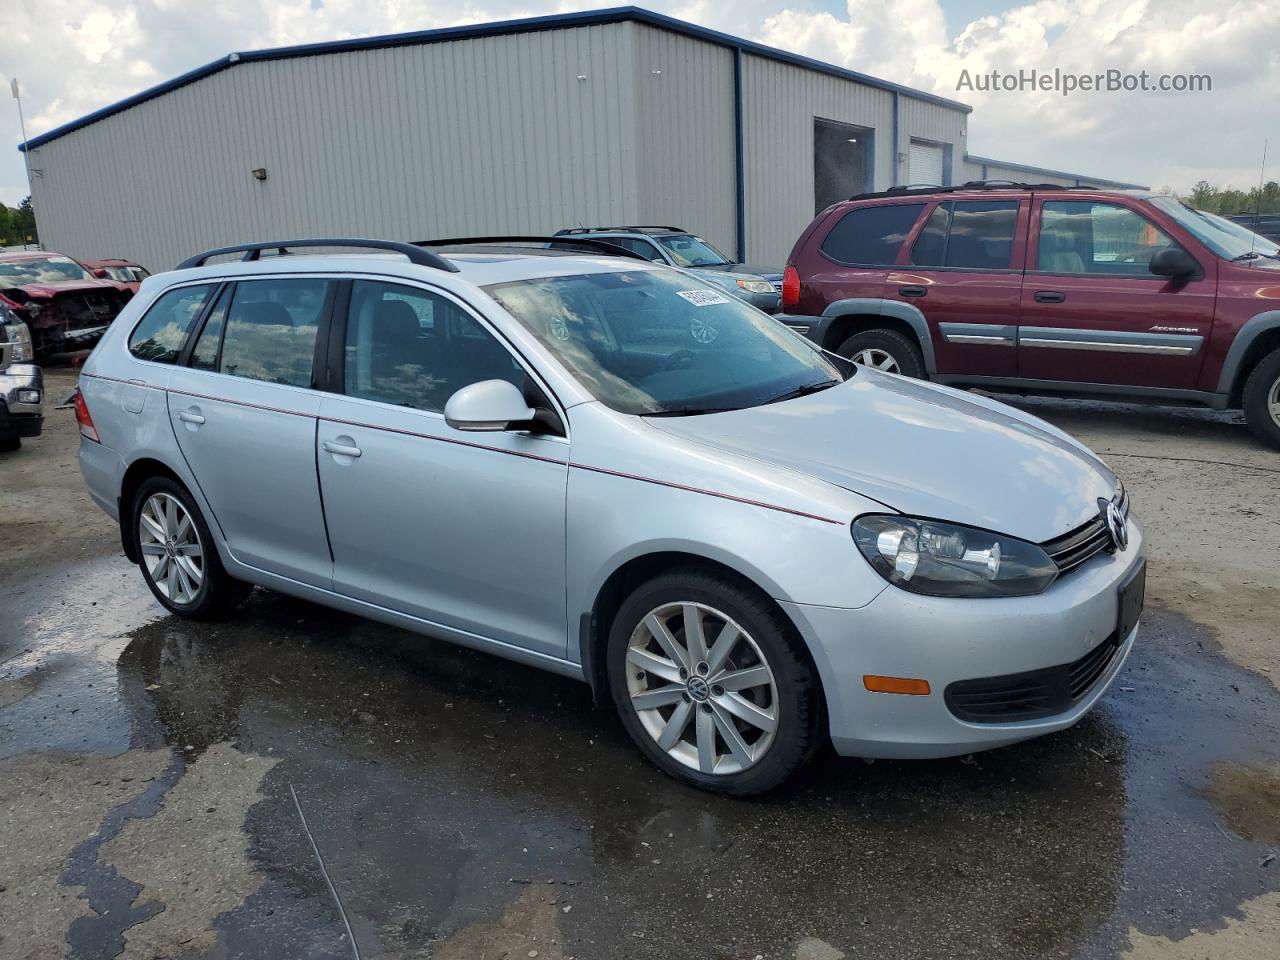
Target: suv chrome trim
pixel 1110 341
pixel 981 334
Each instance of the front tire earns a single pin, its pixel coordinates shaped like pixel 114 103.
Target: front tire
pixel 886 350
pixel 713 683
pixel 1262 399
pixel 177 554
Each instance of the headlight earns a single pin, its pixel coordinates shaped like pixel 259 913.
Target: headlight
pixel 947 560
pixel 755 286
pixel 20 337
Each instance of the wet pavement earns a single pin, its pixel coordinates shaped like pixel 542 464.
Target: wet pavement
pixel 172 789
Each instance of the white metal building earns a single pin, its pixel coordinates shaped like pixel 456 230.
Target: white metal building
pixel 616 116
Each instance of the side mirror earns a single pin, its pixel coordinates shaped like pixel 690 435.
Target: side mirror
pixel 490 405
pixel 1174 263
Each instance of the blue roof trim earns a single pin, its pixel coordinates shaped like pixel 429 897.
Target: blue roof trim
pixel 557 21
pixel 1025 168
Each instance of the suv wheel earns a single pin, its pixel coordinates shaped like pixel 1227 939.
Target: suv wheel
pixel 712 683
pixel 178 558
pixel 1262 399
pixel 885 350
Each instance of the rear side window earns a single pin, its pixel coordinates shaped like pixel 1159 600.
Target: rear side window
pixel 871 236
pixel 163 331
pixel 973 234
pixel 271 329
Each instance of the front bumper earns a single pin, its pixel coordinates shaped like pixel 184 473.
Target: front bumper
pixel 19 412
pixel 901 634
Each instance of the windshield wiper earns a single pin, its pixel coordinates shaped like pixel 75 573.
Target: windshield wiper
pixel 804 391
pixel 1251 255
pixel 689 411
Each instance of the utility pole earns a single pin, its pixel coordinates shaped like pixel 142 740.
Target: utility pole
pixel 26 153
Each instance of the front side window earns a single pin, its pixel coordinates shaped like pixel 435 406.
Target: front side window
pixel 163 331
pixel 643 247
pixel 971 234
pixel 52 269
pixel 871 236
pixel 690 251
pixel 656 342
pixel 271 329
pixel 1084 236
pixel 416 349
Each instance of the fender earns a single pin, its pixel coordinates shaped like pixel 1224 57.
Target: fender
pixel 880 307
pixel 1253 328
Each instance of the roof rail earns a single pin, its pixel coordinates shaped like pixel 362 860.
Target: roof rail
pixel 923 189
pixel 253 251
pixel 612 249
pixel 640 226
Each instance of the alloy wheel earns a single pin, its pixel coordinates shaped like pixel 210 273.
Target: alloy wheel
pixel 1273 401
pixel 701 687
pixel 875 357
pixel 171 548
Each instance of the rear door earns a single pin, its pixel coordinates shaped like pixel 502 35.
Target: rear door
pixel 244 413
pixel 858 250
pixel 462 529
pixel 1092 311
pixel 964 273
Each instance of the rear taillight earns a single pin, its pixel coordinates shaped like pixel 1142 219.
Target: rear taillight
pixel 87 429
pixel 790 287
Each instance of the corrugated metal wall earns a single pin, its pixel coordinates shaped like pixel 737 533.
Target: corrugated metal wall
pixel 974 171
pixel 482 135
pixel 685 133
pixel 780 103
pixel 921 120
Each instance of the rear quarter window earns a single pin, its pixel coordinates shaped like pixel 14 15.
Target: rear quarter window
pixel 871 236
pixel 162 332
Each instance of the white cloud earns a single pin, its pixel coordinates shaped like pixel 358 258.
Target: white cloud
pixel 75 56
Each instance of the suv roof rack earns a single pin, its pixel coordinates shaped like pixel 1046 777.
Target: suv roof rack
pixel 612 249
pixel 917 189
pixel 253 251
pixel 636 227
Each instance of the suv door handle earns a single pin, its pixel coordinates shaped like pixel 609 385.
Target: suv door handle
pixel 190 416
pixel 913 291
pixel 339 449
pixel 1050 296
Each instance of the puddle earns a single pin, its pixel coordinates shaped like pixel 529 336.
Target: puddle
pixel 1248 799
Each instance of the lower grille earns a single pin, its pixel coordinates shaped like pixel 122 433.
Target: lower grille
pixel 1032 695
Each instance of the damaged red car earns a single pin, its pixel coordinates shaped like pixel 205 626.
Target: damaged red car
pixel 66 308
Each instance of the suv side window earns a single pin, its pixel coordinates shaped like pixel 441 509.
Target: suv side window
pixel 646 248
pixel 163 331
pixel 416 349
pixel 973 234
pixel 271 329
pixel 1088 237
pixel 871 236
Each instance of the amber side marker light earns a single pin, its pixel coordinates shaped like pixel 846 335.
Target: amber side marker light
pixel 907 685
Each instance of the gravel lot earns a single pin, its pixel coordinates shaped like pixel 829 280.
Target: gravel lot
pixel 279 783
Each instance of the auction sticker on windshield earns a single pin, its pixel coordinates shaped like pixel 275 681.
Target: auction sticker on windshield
pixel 702 298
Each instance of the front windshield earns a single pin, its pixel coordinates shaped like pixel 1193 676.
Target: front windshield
pixel 1225 238
pixel 19 273
pixel 690 251
pixel 655 342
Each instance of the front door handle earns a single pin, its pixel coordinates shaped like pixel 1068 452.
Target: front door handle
pixel 913 291
pixel 1050 296
pixel 191 416
pixel 339 449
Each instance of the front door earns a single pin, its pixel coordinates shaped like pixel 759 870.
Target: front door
pixel 244 413
pixel 462 529
pixel 964 273
pixel 1092 311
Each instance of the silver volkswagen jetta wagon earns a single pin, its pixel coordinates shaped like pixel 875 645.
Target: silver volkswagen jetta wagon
pixel 601 467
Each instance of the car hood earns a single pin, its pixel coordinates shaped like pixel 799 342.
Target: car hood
pixel 769 273
pixel 47 291
pixel 923 450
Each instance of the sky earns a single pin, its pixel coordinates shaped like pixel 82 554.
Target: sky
pixel 74 56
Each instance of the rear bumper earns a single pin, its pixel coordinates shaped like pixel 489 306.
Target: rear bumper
pixel 22 400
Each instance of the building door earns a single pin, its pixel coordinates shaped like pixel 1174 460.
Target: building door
pixel 926 163
pixel 841 162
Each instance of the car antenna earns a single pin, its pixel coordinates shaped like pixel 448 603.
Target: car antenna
pixel 1257 210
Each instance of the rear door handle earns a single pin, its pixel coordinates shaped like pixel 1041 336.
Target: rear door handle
pixel 1050 296
pixel 913 291
pixel 190 416
pixel 339 449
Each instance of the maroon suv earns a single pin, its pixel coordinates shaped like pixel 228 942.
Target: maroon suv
pixel 1047 289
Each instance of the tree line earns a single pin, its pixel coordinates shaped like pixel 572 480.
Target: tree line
pixel 1228 201
pixel 18 225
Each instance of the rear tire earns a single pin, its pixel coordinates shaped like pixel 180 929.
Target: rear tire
pixel 739 719
pixel 178 557
pixel 1262 399
pixel 886 350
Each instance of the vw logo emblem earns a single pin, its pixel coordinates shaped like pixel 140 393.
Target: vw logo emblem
pixel 698 689
pixel 1117 526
